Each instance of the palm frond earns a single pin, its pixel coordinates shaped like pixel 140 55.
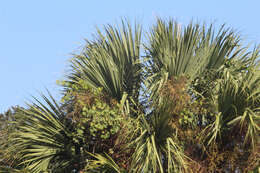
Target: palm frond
pixel 174 50
pixel 112 62
pixel 101 163
pixel 191 51
pixel 41 139
pixel 237 99
pixel 156 148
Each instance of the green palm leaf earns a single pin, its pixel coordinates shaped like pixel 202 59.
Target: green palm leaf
pixel 191 51
pixel 41 139
pixel 156 148
pixel 112 62
pixel 237 99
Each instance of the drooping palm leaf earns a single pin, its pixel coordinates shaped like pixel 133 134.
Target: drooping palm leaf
pixel 237 100
pixel 156 148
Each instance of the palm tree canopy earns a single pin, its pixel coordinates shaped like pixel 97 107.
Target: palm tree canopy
pixel 187 99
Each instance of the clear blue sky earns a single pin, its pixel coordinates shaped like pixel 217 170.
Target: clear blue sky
pixel 37 37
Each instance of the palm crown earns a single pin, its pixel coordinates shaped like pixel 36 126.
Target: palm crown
pixel 188 103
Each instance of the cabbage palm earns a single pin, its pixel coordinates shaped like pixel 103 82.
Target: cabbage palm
pixel 188 103
pixel 219 71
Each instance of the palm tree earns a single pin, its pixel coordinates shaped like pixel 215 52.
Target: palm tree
pixel 220 74
pixel 184 100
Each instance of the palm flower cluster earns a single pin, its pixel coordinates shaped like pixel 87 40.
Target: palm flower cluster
pixel 185 99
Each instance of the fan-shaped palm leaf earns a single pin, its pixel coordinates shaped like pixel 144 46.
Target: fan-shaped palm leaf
pixel 112 62
pixel 41 139
pixel 191 51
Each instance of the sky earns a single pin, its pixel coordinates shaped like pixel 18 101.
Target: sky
pixel 37 38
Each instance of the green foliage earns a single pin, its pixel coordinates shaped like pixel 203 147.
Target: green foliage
pixel 6 128
pixel 103 164
pixel 40 139
pixel 111 62
pixel 157 149
pixel 98 119
pixel 190 103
